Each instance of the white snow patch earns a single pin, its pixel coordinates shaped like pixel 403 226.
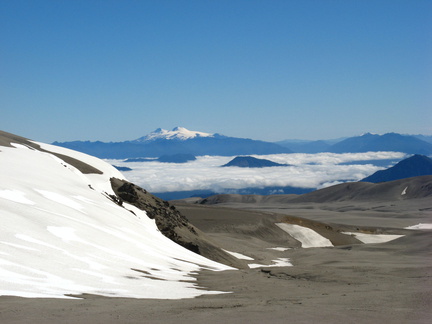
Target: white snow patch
pixel 404 191
pixel 281 262
pixel 239 255
pixel 420 226
pixel 279 249
pixel 373 238
pixel 306 236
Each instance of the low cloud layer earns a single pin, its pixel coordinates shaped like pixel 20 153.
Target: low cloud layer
pixel 305 171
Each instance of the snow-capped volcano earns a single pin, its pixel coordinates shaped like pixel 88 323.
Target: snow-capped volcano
pixel 177 141
pixel 62 233
pixel 178 133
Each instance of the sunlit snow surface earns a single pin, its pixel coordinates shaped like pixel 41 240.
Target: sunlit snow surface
pixel 61 235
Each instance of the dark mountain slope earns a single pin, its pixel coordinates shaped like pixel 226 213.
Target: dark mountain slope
pixel 416 165
pixel 251 162
pixel 410 188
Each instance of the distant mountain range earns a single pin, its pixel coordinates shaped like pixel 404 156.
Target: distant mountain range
pixel 178 141
pixel 183 141
pixel 411 144
pixel 416 165
pixel 387 142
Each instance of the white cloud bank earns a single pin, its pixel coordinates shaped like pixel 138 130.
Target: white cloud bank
pixel 305 171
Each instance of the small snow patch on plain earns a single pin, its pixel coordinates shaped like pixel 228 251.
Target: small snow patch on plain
pixel 281 262
pixel 420 226
pixel 279 249
pixel 306 236
pixel 373 238
pixel 239 255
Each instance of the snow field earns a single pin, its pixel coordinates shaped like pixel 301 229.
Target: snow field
pixel 60 237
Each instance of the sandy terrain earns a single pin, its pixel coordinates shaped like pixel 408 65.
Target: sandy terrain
pixel 349 283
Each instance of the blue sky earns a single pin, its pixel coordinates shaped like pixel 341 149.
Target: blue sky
pixel 270 70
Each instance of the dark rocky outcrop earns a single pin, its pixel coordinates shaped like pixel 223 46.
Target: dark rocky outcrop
pixel 171 222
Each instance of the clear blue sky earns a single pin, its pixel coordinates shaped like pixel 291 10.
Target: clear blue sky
pixel 271 70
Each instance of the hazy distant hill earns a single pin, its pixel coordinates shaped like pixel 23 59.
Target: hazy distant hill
pixel 426 138
pixel 176 158
pixel 306 146
pixel 387 142
pixel 416 165
pixel 411 144
pixel 178 141
pixel 251 162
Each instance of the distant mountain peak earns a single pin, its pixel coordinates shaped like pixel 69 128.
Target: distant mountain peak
pixel 178 133
pixel 370 134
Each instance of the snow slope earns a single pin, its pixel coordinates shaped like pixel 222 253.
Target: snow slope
pixel 62 235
